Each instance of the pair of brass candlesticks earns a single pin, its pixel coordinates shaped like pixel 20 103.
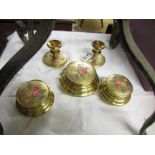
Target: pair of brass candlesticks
pixel 80 78
pixel 55 58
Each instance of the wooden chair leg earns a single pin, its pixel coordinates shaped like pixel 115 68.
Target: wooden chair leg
pixel 81 23
pixel 102 23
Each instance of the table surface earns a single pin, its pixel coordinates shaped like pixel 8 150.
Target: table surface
pixel 75 115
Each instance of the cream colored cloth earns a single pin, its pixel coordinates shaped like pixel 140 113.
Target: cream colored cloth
pixel 74 115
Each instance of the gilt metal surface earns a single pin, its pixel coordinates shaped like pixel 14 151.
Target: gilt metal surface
pixel 79 79
pixel 115 89
pixel 54 58
pixel 33 98
pixel 97 59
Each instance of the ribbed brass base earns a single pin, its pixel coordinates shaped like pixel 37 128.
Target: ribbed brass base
pixel 33 112
pixel 33 98
pixel 52 61
pixel 77 90
pixel 115 90
pixel 97 61
pixel 79 79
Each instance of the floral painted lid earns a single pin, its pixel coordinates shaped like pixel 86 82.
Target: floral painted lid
pixel 80 72
pixel 119 85
pixel 32 94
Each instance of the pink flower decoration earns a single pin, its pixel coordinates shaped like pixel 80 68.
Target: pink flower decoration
pixel 82 71
pixel 36 91
pixel 118 83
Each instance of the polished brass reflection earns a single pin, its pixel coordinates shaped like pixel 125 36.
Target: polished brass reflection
pixel 54 58
pixel 115 89
pixel 79 79
pixel 33 98
pixel 97 58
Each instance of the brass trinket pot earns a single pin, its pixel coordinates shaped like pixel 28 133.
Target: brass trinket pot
pixel 54 58
pixel 97 58
pixel 115 89
pixel 79 79
pixel 33 98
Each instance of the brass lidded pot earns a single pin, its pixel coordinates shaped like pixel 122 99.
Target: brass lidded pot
pixel 97 59
pixel 115 89
pixel 33 98
pixel 54 58
pixel 79 79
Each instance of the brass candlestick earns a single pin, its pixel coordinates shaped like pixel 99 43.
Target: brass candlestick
pixel 97 58
pixel 54 58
